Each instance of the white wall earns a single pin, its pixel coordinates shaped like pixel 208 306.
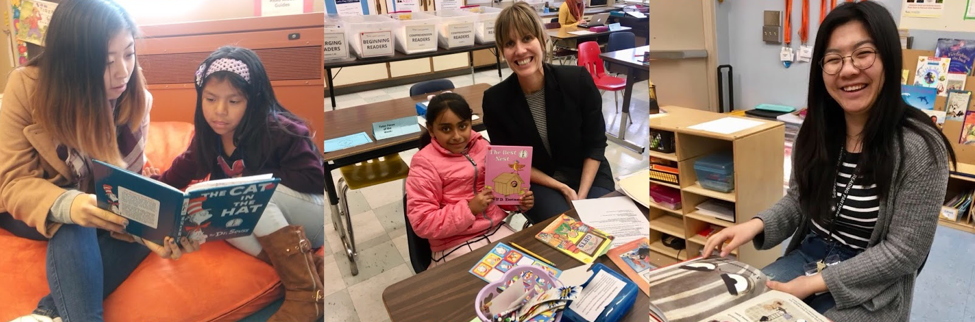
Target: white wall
pixel 759 75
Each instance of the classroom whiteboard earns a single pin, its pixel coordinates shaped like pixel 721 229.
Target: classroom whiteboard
pixel 952 19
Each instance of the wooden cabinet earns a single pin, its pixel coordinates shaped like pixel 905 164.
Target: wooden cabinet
pixel 758 171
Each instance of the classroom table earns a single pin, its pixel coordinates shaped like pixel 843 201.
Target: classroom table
pixel 447 292
pixel 357 119
pixel 566 33
pixel 398 56
pixel 637 71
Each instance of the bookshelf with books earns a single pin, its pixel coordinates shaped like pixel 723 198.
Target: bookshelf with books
pixel 757 183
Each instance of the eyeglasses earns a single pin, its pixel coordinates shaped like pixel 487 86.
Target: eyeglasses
pixel 861 59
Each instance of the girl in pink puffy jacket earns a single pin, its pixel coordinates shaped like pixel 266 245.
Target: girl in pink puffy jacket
pixel 446 200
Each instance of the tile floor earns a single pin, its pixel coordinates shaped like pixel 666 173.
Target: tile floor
pixel 377 212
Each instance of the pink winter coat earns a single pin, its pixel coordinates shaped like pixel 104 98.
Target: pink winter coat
pixel 438 188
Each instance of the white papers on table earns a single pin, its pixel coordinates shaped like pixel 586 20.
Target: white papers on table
pixel 637 14
pixel 617 216
pixel 581 32
pixel 726 125
pixel 597 295
pixel 635 186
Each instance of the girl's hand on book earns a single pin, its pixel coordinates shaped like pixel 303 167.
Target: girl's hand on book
pixel 85 212
pixel 527 201
pixel 481 201
pixel 735 236
pixel 800 287
pixel 170 250
pixel 149 171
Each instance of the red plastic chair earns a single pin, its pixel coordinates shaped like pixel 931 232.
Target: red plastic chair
pixel 589 58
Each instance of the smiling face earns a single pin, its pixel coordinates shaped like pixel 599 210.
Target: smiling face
pixel 121 62
pixel 223 106
pixel 451 132
pixel 524 52
pixel 853 88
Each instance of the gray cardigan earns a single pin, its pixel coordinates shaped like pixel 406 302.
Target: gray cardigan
pixel 877 284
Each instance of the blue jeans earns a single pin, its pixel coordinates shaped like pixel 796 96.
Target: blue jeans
pixel 812 249
pixel 84 266
pixel 550 202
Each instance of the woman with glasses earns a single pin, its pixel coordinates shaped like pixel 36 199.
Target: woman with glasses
pixel 870 175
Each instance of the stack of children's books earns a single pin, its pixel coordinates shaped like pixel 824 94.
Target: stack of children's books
pixel 720 289
pixel 956 208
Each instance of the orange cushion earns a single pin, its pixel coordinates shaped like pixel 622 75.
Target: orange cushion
pixel 217 283
pixel 166 141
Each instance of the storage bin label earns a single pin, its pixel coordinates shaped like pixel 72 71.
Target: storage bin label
pixel 461 34
pixel 421 37
pixel 335 46
pixel 377 43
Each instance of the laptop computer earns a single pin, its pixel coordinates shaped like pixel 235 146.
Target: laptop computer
pixel 598 19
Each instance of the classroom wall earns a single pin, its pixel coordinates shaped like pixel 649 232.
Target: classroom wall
pixel 759 75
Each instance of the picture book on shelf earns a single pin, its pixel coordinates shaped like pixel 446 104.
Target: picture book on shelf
pixel 507 172
pixel 733 291
pixel 960 51
pixel 919 96
pixel 576 239
pixel 957 104
pixel 932 72
pixel 210 210
pixel 633 259
pixel 492 266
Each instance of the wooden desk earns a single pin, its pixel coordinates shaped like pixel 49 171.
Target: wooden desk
pixel 447 292
pixel 565 33
pixel 637 71
pixel 398 56
pixel 360 118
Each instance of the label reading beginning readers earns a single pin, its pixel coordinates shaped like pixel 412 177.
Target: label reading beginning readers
pixel 377 43
pixel 138 207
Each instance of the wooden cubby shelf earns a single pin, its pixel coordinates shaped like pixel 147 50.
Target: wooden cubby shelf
pixel 758 157
pixel 697 189
pixel 665 156
pixel 669 225
pixel 658 206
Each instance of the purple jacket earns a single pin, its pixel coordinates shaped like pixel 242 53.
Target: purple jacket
pixel 293 160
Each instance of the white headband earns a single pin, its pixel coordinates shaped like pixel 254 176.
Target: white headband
pixel 223 65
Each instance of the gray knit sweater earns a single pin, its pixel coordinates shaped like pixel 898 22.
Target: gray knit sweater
pixel 877 284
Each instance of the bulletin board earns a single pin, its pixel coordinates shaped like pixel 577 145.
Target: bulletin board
pixel 952 18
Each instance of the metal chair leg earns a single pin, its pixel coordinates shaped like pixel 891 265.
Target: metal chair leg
pixel 337 214
pixel 346 233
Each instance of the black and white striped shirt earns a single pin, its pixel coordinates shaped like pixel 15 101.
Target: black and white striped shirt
pixel 860 210
pixel 536 104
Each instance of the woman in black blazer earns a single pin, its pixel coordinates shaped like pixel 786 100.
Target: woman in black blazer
pixel 555 109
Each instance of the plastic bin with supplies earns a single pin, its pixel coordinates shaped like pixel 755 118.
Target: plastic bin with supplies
pixel 665 196
pixel 336 44
pixel 456 28
pixel 484 27
pixel 716 171
pixel 416 32
pixel 370 36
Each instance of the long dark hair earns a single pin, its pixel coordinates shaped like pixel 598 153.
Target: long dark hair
pixel 823 132
pixel 262 115
pixel 441 103
pixel 70 100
